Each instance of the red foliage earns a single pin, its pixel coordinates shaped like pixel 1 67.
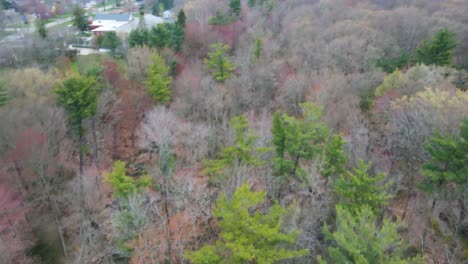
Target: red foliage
pixel 133 103
pixel 37 8
pixel 382 103
pixel 230 33
pixel 14 227
pixel 285 72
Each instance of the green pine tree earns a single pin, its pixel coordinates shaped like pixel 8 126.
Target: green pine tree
pixel 219 62
pixel 297 139
pixel 438 50
pixel 159 80
pixel 335 157
pixel 357 188
pixel 236 8
pixel 78 96
pixel 181 18
pixel 242 153
pixel 138 37
pixel 41 29
pixel 124 185
pixel 111 41
pixel 359 239
pixel 3 94
pixel 258 48
pixel 80 20
pixel 446 173
pixel 248 236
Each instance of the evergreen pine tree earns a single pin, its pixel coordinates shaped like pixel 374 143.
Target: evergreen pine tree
pixel 138 37
pixel 438 50
pixel 41 29
pixel 357 238
pixel 124 185
pixel 335 157
pixel 3 94
pixel 181 18
pixel 236 7
pixel 446 173
pixel 298 138
pixel 242 153
pixel 357 188
pixel 80 20
pixel 78 95
pixel 219 62
pixel 248 236
pixel 258 48
pixel 158 80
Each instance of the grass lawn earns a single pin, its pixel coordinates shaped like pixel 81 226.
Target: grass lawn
pixel 6 33
pixel 108 2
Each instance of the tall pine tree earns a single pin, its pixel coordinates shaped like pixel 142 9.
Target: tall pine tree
pixel 297 139
pixel 357 238
pixel 78 96
pixel 357 188
pixel 3 94
pixel 159 80
pixel 242 153
pixel 219 62
pixel 248 236
pixel 446 173
pixel 438 50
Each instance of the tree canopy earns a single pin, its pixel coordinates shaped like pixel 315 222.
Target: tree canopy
pixel 219 63
pixel 247 235
pixel 158 81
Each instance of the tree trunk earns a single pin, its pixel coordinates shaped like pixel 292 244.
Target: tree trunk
pixel 434 202
pixel 96 148
pixel 461 203
pixel 80 146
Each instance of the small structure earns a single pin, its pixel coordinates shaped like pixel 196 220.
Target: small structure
pixel 122 24
pixel 103 23
pixel 149 21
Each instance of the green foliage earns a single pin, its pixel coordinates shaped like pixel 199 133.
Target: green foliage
pixel 78 95
pixel 242 153
pixel 359 239
pixel 335 157
pixel 389 64
pixel 236 8
pixel 167 4
pixel 438 50
pixel 111 41
pixel 248 236
pixel 158 36
pixel 448 165
pixel 252 3
pixel 390 82
pixel 357 188
pixel 163 35
pixel 80 20
pixel 123 185
pixel 158 80
pixel 41 29
pixel 181 18
pixel 138 37
pixel 367 100
pixel 219 62
pixel 258 48
pixel 220 19
pixel 298 138
pixel 3 94
pixel 127 223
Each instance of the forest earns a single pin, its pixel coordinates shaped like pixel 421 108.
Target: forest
pixel 243 131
